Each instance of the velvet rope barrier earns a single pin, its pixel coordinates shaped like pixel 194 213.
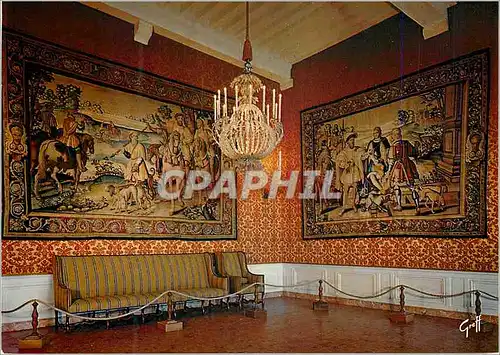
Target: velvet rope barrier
pixel 169 293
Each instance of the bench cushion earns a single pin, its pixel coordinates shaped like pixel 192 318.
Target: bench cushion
pixel 110 302
pixel 137 300
pixel 251 289
pixel 200 292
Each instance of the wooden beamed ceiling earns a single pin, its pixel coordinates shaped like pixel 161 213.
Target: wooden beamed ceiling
pixel 282 33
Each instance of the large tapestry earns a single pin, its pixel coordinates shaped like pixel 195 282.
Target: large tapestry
pixel 407 158
pixel 88 146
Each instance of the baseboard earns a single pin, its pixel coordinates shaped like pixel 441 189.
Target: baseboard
pixel 356 280
pixel 275 294
pixel 16 326
pixel 391 307
pixel 368 281
pixel 49 322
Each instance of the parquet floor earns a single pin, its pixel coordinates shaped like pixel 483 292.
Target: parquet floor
pixel 291 326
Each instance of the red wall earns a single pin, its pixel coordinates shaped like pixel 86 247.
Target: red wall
pixel 82 28
pixel 261 226
pixel 381 54
pixel 270 231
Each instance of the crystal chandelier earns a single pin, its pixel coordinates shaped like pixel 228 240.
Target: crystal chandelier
pixel 251 132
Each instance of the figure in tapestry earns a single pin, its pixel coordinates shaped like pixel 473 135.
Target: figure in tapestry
pixel 390 162
pixel 103 151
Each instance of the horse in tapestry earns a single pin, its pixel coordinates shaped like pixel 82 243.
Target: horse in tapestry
pixel 55 157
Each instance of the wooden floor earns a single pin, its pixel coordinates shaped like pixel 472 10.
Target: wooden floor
pixel 291 326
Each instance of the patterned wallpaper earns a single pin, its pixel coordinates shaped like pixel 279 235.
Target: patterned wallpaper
pixel 421 253
pixel 20 257
pixel 270 230
pixel 81 28
pixel 384 52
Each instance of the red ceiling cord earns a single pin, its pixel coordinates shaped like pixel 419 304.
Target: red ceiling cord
pixel 247 47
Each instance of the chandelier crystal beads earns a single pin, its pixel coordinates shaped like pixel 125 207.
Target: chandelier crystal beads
pixel 254 128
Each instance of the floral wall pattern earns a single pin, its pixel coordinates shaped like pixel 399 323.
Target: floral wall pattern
pixel 162 57
pixel 21 257
pixel 270 230
pixel 395 48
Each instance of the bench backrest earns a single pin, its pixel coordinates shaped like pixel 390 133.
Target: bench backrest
pixel 231 263
pixel 105 275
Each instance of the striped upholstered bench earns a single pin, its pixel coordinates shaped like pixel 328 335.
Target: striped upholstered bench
pixel 88 284
pixel 233 265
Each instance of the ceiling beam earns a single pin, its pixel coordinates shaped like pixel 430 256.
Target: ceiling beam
pixel 433 17
pixel 371 13
pixel 210 15
pixel 143 32
pixel 275 18
pixel 174 25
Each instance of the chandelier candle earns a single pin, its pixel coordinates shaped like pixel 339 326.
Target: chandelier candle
pixel 236 90
pixel 225 101
pixel 249 133
pixel 274 101
pixel 279 108
pixel 215 106
pixel 218 102
pixel 264 100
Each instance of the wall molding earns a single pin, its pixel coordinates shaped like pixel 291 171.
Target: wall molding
pixel 353 279
pixel 19 289
pixel 365 281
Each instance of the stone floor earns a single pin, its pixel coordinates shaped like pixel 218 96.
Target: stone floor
pixel 291 326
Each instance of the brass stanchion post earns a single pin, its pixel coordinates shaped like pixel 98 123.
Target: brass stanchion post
pixel 35 340
pixel 402 300
pixel 478 304
pixel 255 312
pixel 319 304
pixel 170 324
pixel 479 324
pixel 402 316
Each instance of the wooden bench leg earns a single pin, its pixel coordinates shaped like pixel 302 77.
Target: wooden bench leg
pixel 240 301
pixel 67 324
pixel 107 322
pixel 157 309
pixel 203 311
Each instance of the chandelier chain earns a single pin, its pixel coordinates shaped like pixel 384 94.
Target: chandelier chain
pixel 248 20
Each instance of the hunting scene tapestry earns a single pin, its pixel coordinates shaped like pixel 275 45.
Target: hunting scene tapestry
pixel 88 144
pixel 405 159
